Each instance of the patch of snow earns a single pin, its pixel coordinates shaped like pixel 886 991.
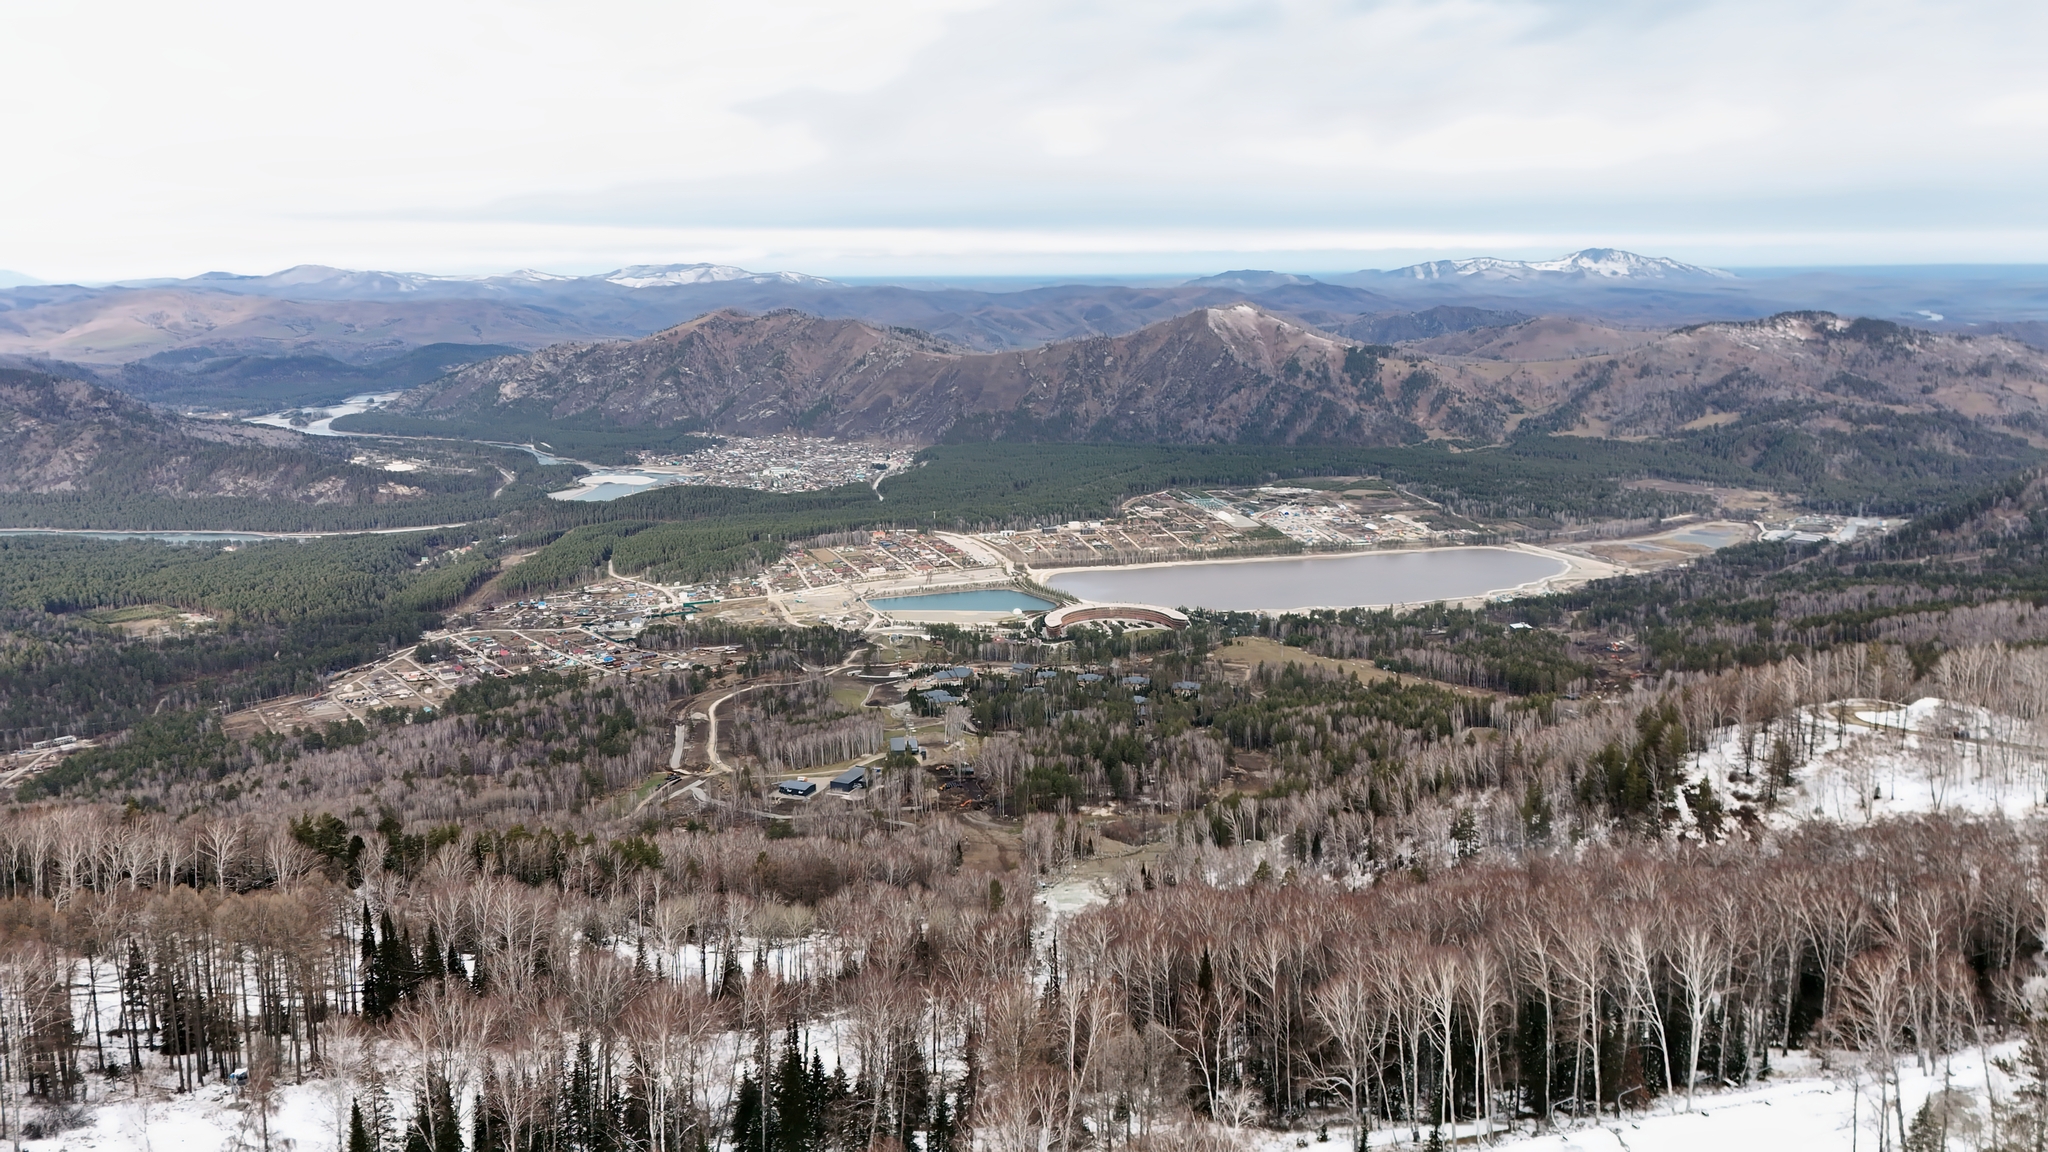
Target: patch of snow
pixel 1873 759
pixel 1066 897
pixel 1803 1106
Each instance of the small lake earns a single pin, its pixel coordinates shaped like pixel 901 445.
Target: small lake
pixel 1359 580
pixel 160 537
pixel 984 600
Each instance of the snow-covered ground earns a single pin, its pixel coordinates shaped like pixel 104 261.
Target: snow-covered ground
pixel 303 1118
pixel 1880 759
pixel 1803 1108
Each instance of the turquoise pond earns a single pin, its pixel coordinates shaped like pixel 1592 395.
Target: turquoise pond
pixel 984 600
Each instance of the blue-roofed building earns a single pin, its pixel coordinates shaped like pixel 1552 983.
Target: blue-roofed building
pixel 847 781
pixel 799 788
pixel 903 744
pixel 941 696
pixel 1135 681
pixel 1047 674
pixel 1187 685
pixel 1091 678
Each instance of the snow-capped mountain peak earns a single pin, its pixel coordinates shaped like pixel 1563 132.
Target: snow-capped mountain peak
pixel 668 275
pixel 1585 264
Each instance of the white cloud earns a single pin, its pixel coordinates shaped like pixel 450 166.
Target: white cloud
pixel 150 139
pixel 1067 131
pixel 2015 109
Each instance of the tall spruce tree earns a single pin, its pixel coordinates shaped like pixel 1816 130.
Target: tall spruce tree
pixel 358 1132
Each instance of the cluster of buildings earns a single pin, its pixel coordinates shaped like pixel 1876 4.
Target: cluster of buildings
pixel 1176 524
pixel 1817 528
pixel 881 556
pixel 784 463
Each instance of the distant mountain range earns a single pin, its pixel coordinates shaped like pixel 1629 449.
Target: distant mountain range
pixel 313 332
pixel 1241 374
pixel 320 282
pixel 1610 264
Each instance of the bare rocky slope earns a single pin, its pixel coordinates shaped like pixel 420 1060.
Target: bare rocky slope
pixel 1241 374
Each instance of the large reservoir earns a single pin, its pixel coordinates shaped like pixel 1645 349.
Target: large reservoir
pixel 1358 580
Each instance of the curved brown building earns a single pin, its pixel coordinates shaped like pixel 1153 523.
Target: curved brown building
pixel 1056 621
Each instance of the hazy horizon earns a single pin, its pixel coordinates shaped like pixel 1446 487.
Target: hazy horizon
pixel 998 138
pixel 11 277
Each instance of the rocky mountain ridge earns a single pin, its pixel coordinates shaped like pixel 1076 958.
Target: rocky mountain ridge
pixel 1242 374
pixel 1206 376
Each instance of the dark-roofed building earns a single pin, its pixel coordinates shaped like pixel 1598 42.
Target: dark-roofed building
pixel 796 787
pixel 847 781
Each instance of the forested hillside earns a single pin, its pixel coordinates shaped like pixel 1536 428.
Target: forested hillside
pixel 1475 877
pixel 75 455
pixel 287 613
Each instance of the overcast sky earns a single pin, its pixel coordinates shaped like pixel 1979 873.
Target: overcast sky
pixel 897 137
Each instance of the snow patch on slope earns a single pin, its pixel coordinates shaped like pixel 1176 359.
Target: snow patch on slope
pixel 1872 759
